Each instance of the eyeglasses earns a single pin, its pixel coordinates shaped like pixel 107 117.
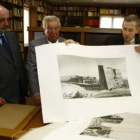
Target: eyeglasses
pixel 4 19
pixel 53 28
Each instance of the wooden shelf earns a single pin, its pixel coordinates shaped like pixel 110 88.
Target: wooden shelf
pixel 79 34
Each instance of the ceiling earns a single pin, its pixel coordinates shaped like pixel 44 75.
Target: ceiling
pixel 132 2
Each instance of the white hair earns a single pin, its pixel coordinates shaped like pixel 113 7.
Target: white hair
pixel 50 18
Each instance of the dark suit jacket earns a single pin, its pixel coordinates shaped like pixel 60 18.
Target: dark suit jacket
pixel 31 63
pixel 117 40
pixel 13 81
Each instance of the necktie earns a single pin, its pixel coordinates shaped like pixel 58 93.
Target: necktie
pixel 6 45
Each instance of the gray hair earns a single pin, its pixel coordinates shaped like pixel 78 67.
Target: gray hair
pixel 50 18
pixel 134 18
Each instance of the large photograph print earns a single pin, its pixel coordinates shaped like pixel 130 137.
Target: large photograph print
pixel 93 77
pixel 78 82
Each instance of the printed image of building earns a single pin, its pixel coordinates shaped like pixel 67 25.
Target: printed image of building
pixel 110 78
pixel 84 80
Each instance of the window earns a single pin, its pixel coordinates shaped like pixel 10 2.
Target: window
pixel 111 22
pixel 26 24
pixel 117 22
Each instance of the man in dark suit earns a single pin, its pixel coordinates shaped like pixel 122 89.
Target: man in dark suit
pixel 13 81
pixel 51 26
pixel 130 28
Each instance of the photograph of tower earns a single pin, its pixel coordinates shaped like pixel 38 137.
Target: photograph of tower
pixel 82 77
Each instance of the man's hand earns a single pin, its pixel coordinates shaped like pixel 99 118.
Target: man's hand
pixel 37 99
pixel 68 41
pixel 137 49
pixel 2 101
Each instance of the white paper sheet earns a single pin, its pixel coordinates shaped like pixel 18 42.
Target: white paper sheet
pixel 125 126
pixel 41 132
pixel 56 108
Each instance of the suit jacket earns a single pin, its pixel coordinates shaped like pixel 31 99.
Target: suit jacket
pixel 118 40
pixel 13 81
pixel 31 63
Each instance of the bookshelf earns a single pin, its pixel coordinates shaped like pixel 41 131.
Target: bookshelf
pixel 71 16
pixel 77 15
pixel 38 9
pixel 43 9
pixel 89 16
pixel 16 23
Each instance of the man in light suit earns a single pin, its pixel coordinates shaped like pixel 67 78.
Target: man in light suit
pixel 13 81
pixel 51 26
pixel 130 28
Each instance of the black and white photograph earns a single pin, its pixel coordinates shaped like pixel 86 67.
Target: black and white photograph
pixel 83 77
pixel 124 126
pixel 78 82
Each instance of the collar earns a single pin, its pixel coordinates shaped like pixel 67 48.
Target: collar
pixel 130 42
pixel 52 43
pixel 133 40
pixel 2 34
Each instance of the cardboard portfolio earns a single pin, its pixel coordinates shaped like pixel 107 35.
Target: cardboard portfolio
pixel 15 117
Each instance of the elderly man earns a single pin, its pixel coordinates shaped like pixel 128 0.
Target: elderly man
pixel 51 26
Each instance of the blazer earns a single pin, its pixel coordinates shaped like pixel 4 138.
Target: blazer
pixel 31 65
pixel 118 40
pixel 13 79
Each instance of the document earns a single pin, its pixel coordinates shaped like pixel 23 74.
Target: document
pixel 125 126
pixel 80 82
pixel 41 132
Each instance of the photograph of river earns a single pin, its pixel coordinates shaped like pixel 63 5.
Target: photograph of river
pixel 83 77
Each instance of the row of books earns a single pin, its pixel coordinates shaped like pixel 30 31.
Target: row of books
pixel 61 8
pixel 72 22
pixel 38 3
pixel 75 8
pixel 58 13
pixel 63 13
pixel 10 1
pixel 21 47
pixel 16 24
pixel 20 36
pixel 40 16
pixel 75 14
pixel 91 22
pixel 110 11
pixel 17 12
pixel 42 9
pixel 118 11
pixel 17 2
pixel 92 14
